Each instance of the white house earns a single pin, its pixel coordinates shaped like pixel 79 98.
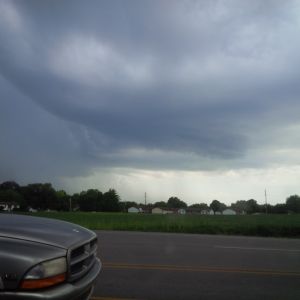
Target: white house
pixel 229 212
pixel 157 210
pixel 133 210
pixel 8 206
pixel 3 206
pixel 181 211
pixel 165 211
pixel 32 210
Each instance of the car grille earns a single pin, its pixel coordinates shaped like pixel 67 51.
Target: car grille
pixel 82 258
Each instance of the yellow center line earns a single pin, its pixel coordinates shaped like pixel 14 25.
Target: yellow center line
pixel 198 269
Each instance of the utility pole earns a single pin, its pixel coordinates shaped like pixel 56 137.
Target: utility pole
pixel 145 198
pixel 266 201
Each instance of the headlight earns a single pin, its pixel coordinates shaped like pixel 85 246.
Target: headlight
pixel 46 274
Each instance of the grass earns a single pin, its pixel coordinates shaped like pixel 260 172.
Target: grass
pixel 250 225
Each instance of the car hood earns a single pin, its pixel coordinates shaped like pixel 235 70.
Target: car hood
pixel 43 230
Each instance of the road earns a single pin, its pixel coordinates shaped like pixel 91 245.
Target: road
pixel 166 266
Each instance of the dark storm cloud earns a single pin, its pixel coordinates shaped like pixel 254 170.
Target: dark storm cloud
pixel 183 83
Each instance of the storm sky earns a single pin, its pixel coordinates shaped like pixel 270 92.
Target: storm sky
pixel 194 99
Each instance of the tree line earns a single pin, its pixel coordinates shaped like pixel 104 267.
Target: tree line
pixel 291 205
pixel 42 196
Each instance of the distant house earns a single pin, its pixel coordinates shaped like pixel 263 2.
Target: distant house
pixel 133 210
pixel 229 212
pixel 8 206
pixel 202 211
pixel 162 211
pixel 144 209
pixel 165 211
pixel 32 210
pixel 181 211
pixel 205 212
pixel 3 206
pixel 157 210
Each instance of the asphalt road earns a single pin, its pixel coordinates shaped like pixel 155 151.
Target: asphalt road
pixel 184 266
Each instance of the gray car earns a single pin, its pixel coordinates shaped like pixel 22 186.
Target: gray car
pixel 42 258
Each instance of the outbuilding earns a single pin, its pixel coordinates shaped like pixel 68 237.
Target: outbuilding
pixel 229 212
pixel 133 210
pixel 181 211
pixel 9 206
pixel 157 210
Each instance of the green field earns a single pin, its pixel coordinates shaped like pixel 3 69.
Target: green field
pixel 251 225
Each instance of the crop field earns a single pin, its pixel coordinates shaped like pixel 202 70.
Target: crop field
pixel 250 225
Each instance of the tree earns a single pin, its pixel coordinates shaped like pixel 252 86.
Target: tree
pixel 161 204
pixel 239 206
pixel 11 198
pixel 9 185
pixel 279 209
pixel 251 206
pixel 175 202
pixel 248 207
pixel 200 206
pixel 223 206
pixel 90 200
pixel 215 206
pixel 40 196
pixel 63 200
pixel 293 203
pixel 111 201
pixel 75 201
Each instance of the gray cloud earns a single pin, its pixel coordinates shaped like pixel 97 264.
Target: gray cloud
pixel 181 85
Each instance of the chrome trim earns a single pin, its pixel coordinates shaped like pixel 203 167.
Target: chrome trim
pixel 81 263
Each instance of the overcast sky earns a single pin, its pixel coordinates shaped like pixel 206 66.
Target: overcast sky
pixel 194 99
